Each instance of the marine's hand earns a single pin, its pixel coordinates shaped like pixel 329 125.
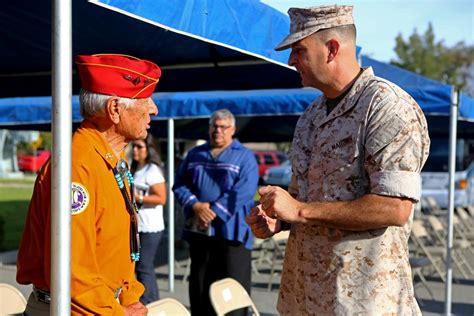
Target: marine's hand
pixel 262 226
pixel 278 203
pixel 135 309
pixel 204 212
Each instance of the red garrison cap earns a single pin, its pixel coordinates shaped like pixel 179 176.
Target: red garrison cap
pixel 119 75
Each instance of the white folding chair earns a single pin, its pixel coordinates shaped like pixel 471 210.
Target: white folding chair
pixel 11 300
pixel 228 295
pixel 460 246
pixel 470 210
pixel 433 206
pixel 167 307
pixel 261 254
pixel 466 223
pixel 427 248
pixel 417 264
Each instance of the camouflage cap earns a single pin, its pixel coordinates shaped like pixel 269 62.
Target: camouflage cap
pixel 306 21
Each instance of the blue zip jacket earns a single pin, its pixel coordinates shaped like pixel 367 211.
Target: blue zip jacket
pixel 228 182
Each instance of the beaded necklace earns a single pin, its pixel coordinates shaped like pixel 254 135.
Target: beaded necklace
pixel 121 173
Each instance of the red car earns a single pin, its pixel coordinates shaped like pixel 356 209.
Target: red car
pixel 33 163
pixel 265 159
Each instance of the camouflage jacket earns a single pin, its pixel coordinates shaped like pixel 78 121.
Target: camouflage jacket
pixel 374 141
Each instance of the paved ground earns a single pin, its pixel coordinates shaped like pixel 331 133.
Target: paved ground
pixel 462 298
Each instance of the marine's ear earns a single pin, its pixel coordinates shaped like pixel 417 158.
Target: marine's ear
pixel 333 46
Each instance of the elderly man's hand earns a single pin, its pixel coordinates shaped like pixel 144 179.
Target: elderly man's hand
pixel 262 226
pixel 279 204
pixel 204 213
pixel 135 309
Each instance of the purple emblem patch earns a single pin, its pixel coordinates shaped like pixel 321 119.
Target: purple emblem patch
pixel 79 198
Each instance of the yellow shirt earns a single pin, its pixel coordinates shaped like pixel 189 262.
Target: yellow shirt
pixel 100 229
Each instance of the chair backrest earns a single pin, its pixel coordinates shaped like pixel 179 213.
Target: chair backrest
pixel 418 229
pixel 433 204
pixel 279 242
pixel 167 307
pixel 456 220
pixel 227 295
pixel 435 223
pixel 462 214
pixel 470 210
pixel 11 300
pixel 282 236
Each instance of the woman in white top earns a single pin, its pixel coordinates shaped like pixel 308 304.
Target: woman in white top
pixel 150 194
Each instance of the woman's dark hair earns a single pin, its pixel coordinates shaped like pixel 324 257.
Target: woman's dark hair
pixel 152 156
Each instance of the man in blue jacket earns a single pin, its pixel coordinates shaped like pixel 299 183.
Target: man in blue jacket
pixel 215 185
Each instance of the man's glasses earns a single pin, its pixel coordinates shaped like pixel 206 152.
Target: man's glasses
pixel 222 127
pixel 138 146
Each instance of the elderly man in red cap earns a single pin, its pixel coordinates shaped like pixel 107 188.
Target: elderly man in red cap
pixel 116 105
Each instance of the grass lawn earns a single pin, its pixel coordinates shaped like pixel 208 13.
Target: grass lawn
pixel 14 199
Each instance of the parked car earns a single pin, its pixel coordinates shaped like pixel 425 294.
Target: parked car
pixel 33 163
pixel 266 159
pixel 279 175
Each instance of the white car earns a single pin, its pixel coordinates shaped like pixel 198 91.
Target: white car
pixel 279 175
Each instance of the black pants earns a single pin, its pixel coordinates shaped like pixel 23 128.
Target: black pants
pixel 212 259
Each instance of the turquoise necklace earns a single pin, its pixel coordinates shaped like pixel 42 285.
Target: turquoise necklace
pixel 121 173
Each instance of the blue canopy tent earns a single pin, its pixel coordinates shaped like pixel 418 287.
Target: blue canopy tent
pixel 201 45
pixel 433 96
pixel 255 109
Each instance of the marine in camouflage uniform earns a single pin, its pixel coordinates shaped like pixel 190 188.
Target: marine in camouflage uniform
pixel 374 141
pixel 369 146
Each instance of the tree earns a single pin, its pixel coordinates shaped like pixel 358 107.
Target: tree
pixel 426 56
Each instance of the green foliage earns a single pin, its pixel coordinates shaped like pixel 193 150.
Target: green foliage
pixel 283 146
pixel 47 140
pixel 14 201
pixel 426 56
pixel 44 142
pixel 24 148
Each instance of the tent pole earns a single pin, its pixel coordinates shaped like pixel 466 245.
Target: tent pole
pixel 452 171
pixel 170 176
pixel 61 159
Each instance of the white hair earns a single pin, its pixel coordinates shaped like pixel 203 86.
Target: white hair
pixel 93 104
pixel 222 114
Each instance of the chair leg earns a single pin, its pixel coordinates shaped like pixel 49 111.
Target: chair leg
pixel 187 271
pixel 458 261
pixel 272 272
pixel 425 284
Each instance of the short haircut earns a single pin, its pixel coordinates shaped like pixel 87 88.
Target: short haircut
pixel 93 104
pixel 343 32
pixel 222 114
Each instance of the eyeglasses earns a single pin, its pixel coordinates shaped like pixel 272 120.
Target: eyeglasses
pixel 222 127
pixel 138 146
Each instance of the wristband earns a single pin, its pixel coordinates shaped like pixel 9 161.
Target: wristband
pixel 140 198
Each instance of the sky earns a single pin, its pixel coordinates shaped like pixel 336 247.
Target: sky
pixel 379 22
